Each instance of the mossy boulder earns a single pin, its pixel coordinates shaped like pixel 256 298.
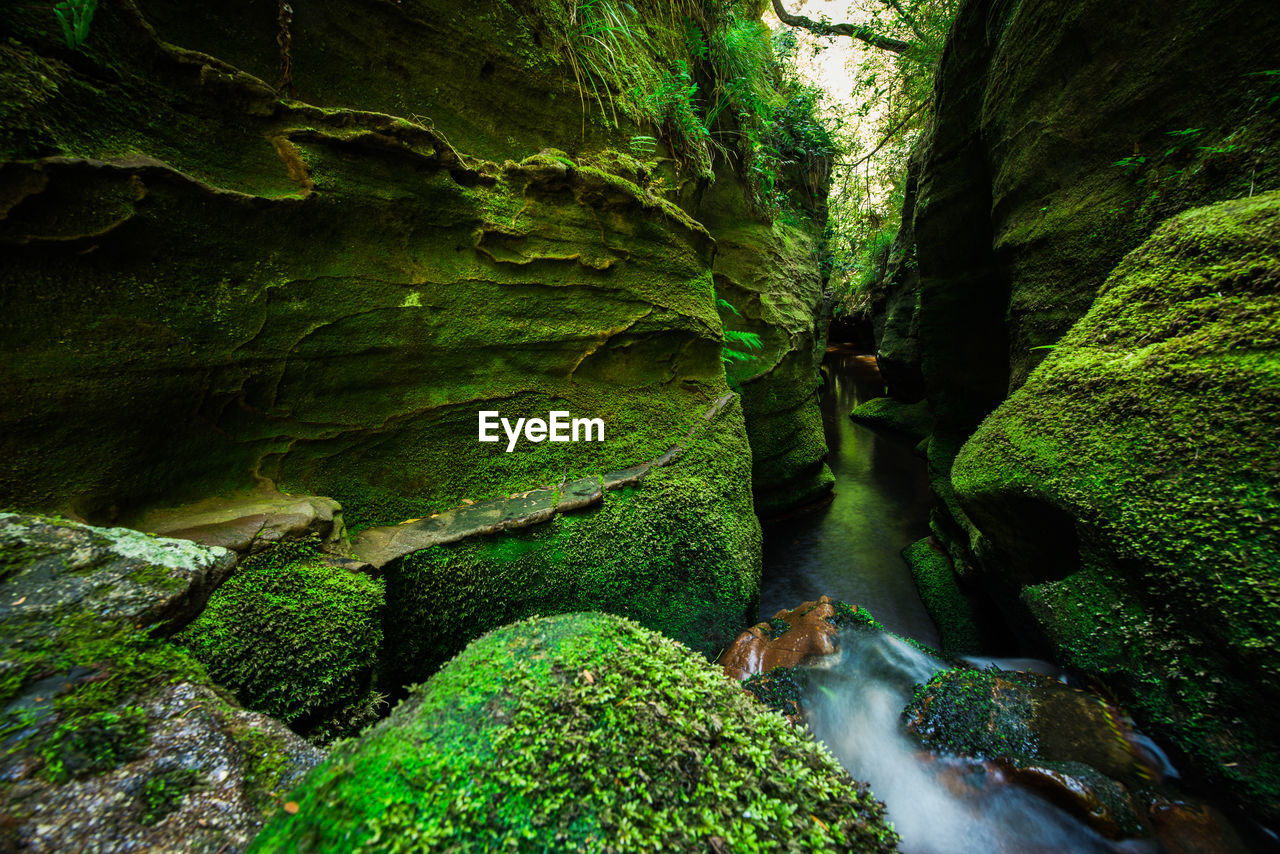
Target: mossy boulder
pixel 295 637
pixel 581 732
pixel 115 738
pixel 1127 492
pixel 1008 233
pixel 52 566
pixel 950 608
pixel 913 420
pixel 678 553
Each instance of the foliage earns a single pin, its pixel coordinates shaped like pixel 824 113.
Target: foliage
pixel 75 16
pixel 891 100
pixel 744 341
pixel 582 732
pixel 292 636
pixel 704 75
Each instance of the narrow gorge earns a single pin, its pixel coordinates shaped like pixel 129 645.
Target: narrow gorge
pixel 898 452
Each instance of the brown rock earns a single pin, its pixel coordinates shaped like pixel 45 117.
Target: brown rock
pixel 810 634
pixel 1094 799
pixel 1185 826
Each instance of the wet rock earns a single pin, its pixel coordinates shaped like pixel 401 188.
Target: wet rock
pixel 791 638
pixel 198 785
pixel 1186 826
pixel 1024 717
pixel 1093 798
pixel 52 566
pixel 248 523
pixel 113 738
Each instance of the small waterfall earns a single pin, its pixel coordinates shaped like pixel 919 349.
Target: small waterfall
pixel 939 805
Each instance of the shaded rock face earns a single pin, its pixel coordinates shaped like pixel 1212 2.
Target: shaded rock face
pixel 1147 438
pixel 546 727
pixel 1121 492
pixel 321 295
pixel 1064 134
pixel 115 740
pixel 769 276
pixel 316 295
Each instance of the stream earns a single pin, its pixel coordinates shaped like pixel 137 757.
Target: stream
pixel 850 548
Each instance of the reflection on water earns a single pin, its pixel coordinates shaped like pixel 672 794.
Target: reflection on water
pixel 850 549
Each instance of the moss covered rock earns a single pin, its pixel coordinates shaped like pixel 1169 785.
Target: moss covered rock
pixel 1127 492
pixel 913 420
pixel 315 292
pixel 678 553
pixel 295 637
pixel 579 733
pixel 951 610
pixel 768 279
pixel 113 738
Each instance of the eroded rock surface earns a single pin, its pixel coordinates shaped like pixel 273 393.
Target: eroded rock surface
pixel 249 523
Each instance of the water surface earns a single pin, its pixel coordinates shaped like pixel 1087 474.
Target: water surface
pixel 850 549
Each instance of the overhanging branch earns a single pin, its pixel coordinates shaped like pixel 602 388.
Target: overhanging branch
pixel 861 33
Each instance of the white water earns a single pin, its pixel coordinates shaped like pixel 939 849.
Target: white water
pixel 938 805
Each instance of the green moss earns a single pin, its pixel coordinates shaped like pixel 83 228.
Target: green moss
pixel 93 743
pixel 688 566
pixel 780 689
pixel 293 636
pixel 966 712
pixel 163 793
pixel 913 420
pixel 950 609
pixel 575 732
pixel 1143 447
pixel 118 665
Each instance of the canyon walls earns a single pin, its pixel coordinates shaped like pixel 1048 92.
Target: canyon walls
pixel 1125 480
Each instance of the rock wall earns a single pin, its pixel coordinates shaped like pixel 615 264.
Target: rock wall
pixel 1128 491
pixel 1064 135
pixel 769 275
pixel 245 253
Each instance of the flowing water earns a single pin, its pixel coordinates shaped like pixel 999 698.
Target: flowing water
pixel 850 548
pixel 939 805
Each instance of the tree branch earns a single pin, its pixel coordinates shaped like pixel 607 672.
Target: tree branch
pixel 892 133
pixel 905 16
pixel 861 33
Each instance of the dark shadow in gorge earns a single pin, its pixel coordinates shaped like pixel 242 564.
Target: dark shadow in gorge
pixel 849 549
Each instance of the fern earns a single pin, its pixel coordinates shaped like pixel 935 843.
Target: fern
pixel 75 16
